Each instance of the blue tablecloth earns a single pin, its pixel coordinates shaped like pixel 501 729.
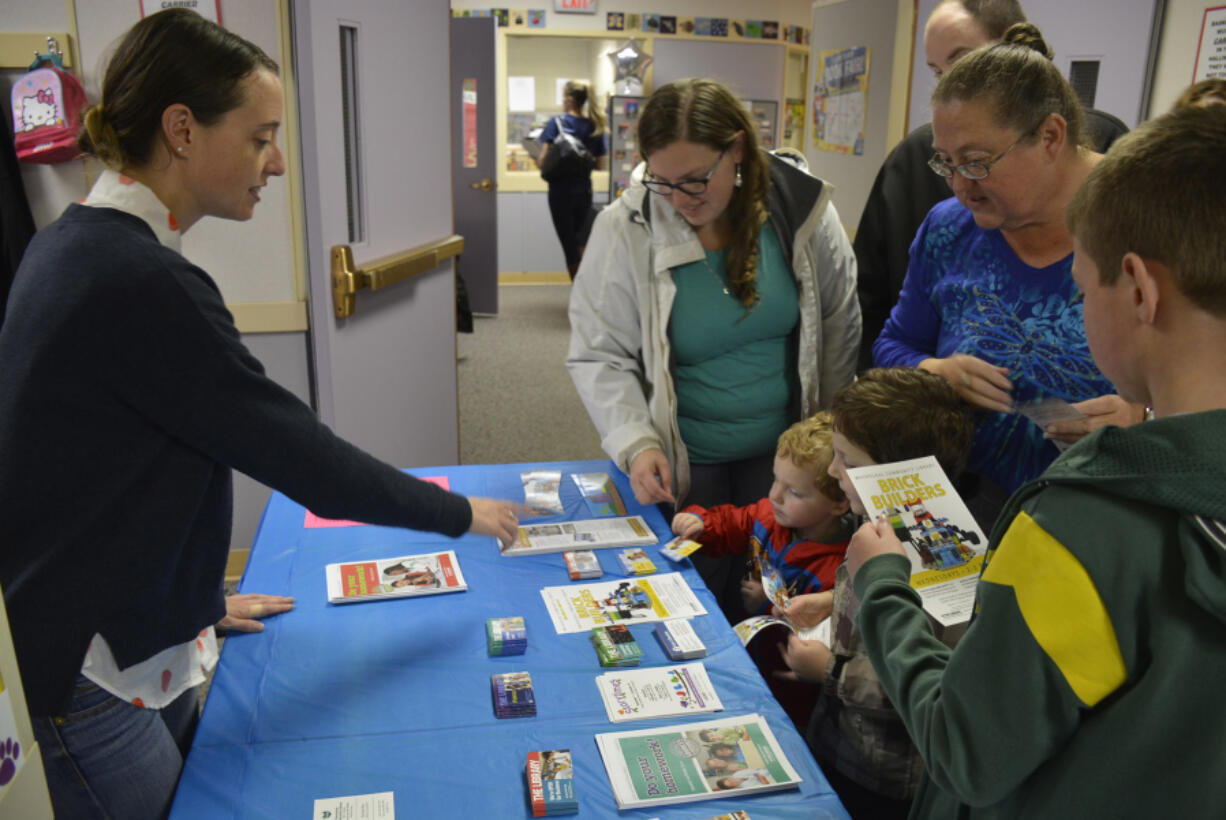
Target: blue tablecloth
pixel 395 695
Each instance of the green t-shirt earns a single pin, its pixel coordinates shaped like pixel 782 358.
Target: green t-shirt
pixel 735 372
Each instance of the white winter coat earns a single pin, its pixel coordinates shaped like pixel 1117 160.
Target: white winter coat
pixel 620 353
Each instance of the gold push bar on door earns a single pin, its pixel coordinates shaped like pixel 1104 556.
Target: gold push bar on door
pixel 347 280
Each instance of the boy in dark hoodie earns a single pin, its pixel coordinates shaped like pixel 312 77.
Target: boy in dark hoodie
pixel 1086 682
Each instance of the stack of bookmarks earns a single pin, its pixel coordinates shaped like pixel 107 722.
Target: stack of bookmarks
pixel 506 636
pixel 680 641
pixel 615 646
pixel 551 783
pixel 635 562
pixel 513 695
pixel 582 564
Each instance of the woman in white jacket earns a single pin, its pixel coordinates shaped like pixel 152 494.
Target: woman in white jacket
pixel 715 306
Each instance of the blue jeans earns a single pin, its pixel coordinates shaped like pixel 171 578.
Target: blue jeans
pixel 106 758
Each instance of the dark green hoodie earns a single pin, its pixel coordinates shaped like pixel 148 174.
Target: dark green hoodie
pixel 1088 682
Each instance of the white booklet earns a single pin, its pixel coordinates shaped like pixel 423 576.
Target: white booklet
pixel 534 539
pixel 583 607
pixel 657 691
pixel 938 532
pixel 406 577
pixel 730 757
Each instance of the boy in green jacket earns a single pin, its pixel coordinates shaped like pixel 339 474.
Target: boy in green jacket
pixel 1089 681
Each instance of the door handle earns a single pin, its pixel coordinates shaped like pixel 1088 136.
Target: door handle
pixel 348 279
pixel 485 185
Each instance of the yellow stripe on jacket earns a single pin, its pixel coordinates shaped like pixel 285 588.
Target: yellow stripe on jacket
pixel 1061 607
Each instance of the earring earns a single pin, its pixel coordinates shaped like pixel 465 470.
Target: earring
pixel 180 149
pixel 737 181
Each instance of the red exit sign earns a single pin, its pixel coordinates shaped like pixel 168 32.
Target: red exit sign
pixel 575 6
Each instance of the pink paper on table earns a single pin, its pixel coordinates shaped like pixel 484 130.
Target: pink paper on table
pixel 313 521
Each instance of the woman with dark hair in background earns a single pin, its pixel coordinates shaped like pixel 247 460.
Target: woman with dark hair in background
pixel 716 307
pixel 129 397
pixel 570 198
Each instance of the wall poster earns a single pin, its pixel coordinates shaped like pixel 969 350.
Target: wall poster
pixel 840 100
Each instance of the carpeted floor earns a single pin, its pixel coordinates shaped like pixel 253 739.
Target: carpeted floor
pixel 517 402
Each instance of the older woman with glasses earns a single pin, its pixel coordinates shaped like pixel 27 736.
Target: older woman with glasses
pixel 715 306
pixel 989 302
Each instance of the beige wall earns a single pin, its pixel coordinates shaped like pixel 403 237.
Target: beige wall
pixel 795 12
pixel 1176 62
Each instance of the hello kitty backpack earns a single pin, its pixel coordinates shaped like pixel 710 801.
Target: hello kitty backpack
pixel 47 104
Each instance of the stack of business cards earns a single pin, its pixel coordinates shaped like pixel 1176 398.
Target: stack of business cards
pixel 513 695
pixel 582 564
pixel 506 636
pixel 615 646
pixel 551 783
pixel 680 640
pixel 635 562
pixel 677 549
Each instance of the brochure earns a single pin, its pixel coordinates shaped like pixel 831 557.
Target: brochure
pixel 659 691
pixel 749 628
pixel 378 806
pixel 582 607
pixel 731 757
pixel 534 539
pixel 405 577
pixel 938 532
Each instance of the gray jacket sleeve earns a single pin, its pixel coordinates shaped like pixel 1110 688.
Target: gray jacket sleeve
pixel 605 358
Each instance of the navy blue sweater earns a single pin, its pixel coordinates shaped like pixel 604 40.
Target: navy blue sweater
pixel 127 397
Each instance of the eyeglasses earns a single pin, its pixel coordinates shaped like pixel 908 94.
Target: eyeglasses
pixel 692 187
pixel 976 169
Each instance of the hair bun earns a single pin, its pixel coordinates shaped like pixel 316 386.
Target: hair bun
pixel 1028 35
pixel 97 137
